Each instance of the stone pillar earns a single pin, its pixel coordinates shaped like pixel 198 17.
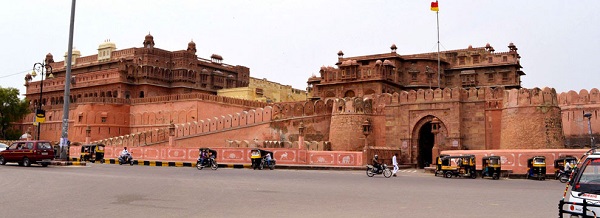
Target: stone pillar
pixel 301 135
pixel 171 134
pixel 435 129
pixel 88 134
pixel 366 131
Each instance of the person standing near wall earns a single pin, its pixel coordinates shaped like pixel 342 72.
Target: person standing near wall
pixel 395 163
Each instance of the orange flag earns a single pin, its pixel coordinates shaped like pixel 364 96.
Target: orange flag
pixel 434 6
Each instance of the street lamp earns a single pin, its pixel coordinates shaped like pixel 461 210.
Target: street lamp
pixel 589 116
pixel 41 68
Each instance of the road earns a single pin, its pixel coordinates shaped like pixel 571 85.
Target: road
pixel 100 190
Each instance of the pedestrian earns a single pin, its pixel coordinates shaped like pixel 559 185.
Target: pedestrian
pixel 395 163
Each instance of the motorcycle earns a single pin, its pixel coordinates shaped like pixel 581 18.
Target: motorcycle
pixel 208 162
pixel 371 171
pixel 563 176
pixel 124 159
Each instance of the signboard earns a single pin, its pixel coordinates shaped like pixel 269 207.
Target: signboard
pixel 40 116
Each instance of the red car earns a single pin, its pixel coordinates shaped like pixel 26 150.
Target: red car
pixel 27 153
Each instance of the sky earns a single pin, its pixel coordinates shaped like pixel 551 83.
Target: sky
pixel 288 41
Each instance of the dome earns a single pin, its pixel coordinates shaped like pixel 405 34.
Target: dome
pixel 216 56
pixel 388 62
pixel 107 44
pixel 49 58
pixel 393 47
pixel 192 43
pixel 378 62
pixel 149 37
pixel 76 53
pixel 340 53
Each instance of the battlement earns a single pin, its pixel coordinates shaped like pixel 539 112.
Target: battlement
pixel 447 94
pixel 199 96
pixel 583 97
pixel 530 97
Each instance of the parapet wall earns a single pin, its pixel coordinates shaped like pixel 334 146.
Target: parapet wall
pixel 575 126
pixel 584 97
pixel 235 155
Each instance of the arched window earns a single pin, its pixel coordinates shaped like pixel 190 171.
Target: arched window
pixel 141 94
pixel 349 93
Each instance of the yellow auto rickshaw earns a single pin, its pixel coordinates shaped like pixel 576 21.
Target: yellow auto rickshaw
pixel 262 158
pixel 559 164
pixel 491 167
pixel 458 166
pixel 536 168
pixel 92 153
pixel 439 162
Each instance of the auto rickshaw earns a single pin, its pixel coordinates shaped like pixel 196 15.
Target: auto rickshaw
pixel 209 161
pixel 92 153
pixel 439 162
pixel 491 167
pixel 458 166
pixel 259 159
pixel 536 168
pixel 559 164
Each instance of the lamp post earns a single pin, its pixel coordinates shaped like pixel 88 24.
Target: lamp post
pixel 41 68
pixel 589 117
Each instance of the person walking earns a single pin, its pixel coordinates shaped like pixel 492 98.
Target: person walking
pixel 395 163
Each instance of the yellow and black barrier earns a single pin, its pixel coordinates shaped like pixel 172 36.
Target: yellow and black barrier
pixel 174 164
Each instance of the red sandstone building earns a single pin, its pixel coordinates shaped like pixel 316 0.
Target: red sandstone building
pixel 152 97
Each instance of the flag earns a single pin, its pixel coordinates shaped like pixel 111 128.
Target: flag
pixel 434 6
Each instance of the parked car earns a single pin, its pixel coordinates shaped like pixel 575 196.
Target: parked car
pixel 26 153
pixel 3 146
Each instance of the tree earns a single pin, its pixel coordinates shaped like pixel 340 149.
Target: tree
pixel 12 109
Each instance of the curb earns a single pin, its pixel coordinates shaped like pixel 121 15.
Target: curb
pixel 67 163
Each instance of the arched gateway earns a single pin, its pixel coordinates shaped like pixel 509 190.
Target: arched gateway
pixel 424 139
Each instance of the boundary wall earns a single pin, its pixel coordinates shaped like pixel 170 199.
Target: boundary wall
pixel 235 155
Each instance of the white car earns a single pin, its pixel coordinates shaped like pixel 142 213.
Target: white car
pixel 3 146
pixel 582 197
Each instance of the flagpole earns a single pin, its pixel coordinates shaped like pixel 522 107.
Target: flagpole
pixel 438 45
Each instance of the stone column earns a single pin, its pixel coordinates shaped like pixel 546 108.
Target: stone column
pixel 88 134
pixel 435 129
pixel 301 135
pixel 171 134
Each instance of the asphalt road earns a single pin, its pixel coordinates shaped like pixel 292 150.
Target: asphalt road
pixel 100 190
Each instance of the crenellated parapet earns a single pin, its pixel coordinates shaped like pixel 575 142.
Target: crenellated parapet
pixel 583 97
pixel 198 96
pixel 530 97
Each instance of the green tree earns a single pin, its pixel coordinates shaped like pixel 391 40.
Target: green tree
pixel 12 109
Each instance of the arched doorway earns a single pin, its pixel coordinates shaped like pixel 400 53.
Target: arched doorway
pixel 426 139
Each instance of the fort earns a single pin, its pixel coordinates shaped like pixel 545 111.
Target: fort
pixel 148 98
